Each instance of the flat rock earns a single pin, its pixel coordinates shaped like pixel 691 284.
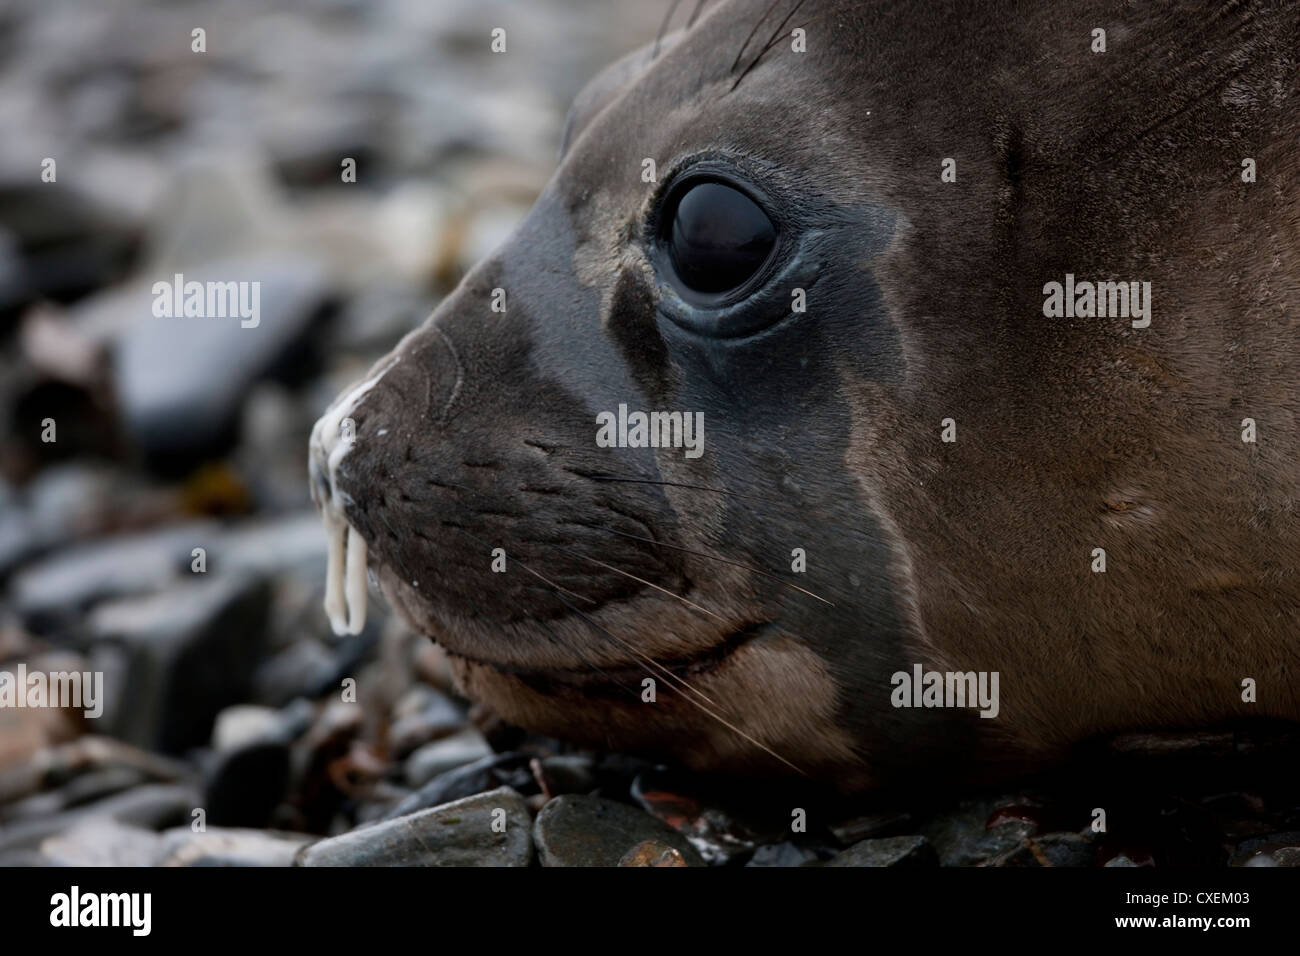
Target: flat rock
pixel 468 832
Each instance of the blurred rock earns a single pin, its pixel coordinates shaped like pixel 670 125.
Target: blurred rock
pixel 433 759
pixel 469 832
pixel 189 652
pixel 249 772
pixel 509 769
pixel 60 587
pixel 181 382
pixel 422 715
pixel 226 847
pixel 102 842
pixel 575 830
pixel 151 807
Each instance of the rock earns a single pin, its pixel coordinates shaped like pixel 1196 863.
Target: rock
pixel 226 847
pixel 59 588
pixel 715 833
pixel 1276 849
pixel 102 842
pixel 870 825
pixel 1052 849
pixel 290 545
pixel 652 853
pixel 962 838
pixel 249 772
pixel 89 756
pixel 574 830
pixel 61 503
pixel 305 668
pixel 564 774
pixel 432 759
pixel 151 807
pixel 181 382
pixel 783 854
pixel 422 715
pixel 887 851
pixel 187 653
pixel 510 769
pixel 468 832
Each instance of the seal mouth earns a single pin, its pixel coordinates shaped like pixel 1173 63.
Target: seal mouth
pixel 332 437
pixel 621 677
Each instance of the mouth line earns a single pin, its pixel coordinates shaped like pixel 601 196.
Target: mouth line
pixel 623 676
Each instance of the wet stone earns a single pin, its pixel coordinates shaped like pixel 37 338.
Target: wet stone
pixel 888 851
pixel 486 774
pixel 440 756
pixel 652 853
pixel 575 830
pixel 488 829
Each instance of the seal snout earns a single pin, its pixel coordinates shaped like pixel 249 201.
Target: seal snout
pixel 332 438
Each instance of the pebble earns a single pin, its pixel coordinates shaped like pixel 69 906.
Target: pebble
pixel 887 851
pixel 432 759
pixel 783 854
pixel 652 853
pixel 487 829
pixel 575 830
pixel 961 837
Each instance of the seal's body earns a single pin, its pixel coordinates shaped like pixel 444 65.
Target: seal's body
pixel 914 451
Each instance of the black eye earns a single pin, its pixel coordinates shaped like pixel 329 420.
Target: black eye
pixel 717 238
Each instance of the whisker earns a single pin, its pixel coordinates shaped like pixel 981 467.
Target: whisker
pixel 770 43
pixel 535 574
pixel 750 36
pixel 671 676
pixel 663 28
pixel 714 557
pixel 695 14
pixel 688 603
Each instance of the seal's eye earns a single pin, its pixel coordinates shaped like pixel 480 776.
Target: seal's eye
pixel 717 237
